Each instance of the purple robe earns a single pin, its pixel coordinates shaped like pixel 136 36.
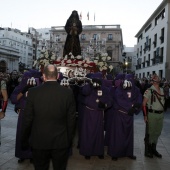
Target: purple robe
pixel 108 117
pixel 109 112
pixel 91 137
pixel 121 133
pixel 19 153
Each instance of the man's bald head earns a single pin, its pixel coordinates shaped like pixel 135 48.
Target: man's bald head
pixel 51 67
pixel 50 72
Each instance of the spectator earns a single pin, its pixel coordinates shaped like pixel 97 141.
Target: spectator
pixel 3 95
pixel 49 122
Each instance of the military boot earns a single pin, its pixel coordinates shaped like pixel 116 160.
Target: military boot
pixel 155 152
pixel 148 150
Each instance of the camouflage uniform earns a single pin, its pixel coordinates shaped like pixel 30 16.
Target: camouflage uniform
pixel 155 118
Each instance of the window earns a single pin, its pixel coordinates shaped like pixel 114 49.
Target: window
pixel 162 35
pixel 109 52
pixel 157 56
pixel 83 37
pixel 149 45
pixel 58 38
pixel 148 27
pixel 144 62
pixel 148 61
pixel 156 21
pixel 163 13
pixel 140 37
pixel 155 40
pixel 161 54
pixel 160 15
pixel 145 48
pixel 160 73
pixel 95 36
pixel 143 75
pixel 153 59
pixel 140 50
pixel 110 37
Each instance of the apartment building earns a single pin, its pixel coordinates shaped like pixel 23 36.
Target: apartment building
pixel 40 40
pixel 153 42
pixel 15 48
pixel 129 59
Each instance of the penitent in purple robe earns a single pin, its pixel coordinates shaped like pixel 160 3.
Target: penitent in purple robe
pixel 91 136
pixel 19 153
pixel 121 132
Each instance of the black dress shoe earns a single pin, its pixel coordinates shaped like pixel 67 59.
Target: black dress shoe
pixel 114 158
pixel 87 157
pixel 101 156
pixel 20 160
pixel 132 157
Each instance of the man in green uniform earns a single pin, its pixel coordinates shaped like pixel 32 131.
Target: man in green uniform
pixel 153 109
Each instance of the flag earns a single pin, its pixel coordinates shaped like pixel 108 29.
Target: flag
pixel 80 16
pixel 88 15
pixel 94 16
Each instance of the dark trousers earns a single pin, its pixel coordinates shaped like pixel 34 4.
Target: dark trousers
pixel 41 159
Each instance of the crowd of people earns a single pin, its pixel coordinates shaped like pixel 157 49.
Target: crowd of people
pixel 105 108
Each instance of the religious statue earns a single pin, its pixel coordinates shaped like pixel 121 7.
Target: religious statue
pixel 73 28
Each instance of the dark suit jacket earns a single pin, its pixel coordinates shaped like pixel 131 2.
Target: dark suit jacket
pixel 49 117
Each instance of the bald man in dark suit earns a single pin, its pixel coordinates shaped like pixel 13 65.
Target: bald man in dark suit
pixel 49 121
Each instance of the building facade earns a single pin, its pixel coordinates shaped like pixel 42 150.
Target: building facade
pixel 93 39
pixel 15 48
pixel 129 59
pixel 153 42
pixel 23 48
pixel 40 40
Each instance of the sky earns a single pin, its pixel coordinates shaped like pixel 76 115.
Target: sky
pixel 129 14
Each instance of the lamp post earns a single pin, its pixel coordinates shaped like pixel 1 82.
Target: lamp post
pixel 126 64
pixel 95 46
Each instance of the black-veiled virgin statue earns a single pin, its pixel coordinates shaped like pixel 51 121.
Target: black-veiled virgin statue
pixel 73 28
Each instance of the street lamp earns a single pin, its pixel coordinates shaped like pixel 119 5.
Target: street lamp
pixel 126 64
